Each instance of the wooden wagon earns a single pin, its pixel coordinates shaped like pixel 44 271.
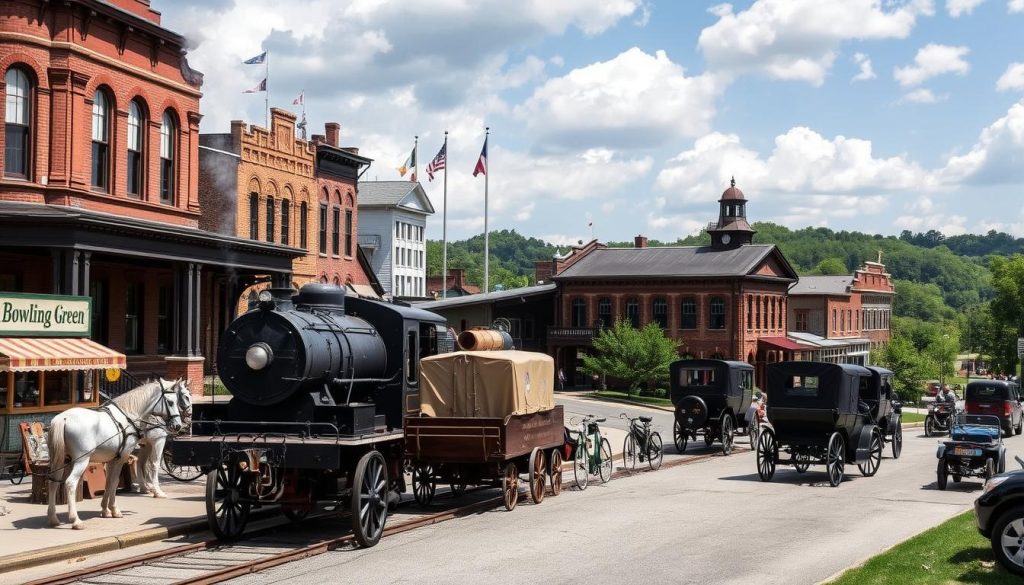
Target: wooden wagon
pixel 486 417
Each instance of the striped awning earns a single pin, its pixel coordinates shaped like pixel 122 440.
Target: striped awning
pixel 32 354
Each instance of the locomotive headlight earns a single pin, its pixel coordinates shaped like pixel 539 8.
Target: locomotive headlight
pixel 266 300
pixel 258 356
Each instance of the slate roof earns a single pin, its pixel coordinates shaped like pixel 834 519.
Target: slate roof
pixel 389 193
pixel 671 262
pixel 477 299
pixel 823 285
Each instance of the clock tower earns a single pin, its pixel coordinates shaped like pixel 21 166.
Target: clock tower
pixel 732 229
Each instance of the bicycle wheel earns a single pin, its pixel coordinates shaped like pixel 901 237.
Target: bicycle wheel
pixel 654 451
pixel 630 454
pixel 581 465
pixel 604 471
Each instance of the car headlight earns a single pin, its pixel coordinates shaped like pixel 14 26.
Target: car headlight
pixel 993 482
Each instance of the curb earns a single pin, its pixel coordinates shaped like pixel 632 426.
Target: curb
pixel 594 396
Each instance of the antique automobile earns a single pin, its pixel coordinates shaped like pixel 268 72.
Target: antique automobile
pixel 999 515
pixel 886 408
pixel 712 398
pixel 485 418
pixel 998 398
pixel 974 449
pixel 816 418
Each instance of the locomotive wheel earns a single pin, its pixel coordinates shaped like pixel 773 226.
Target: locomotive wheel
pixel 655 451
pixel 510 486
pixel 870 467
pixel 767 452
pixel 630 453
pixel 537 476
pixel 423 484
pixel 581 466
pixel 225 513
pixel 801 461
pixel 679 437
pixel 458 482
pixel 605 469
pixel 835 459
pixel 897 439
pixel 555 471
pixel 941 475
pixel 369 499
pixel 727 434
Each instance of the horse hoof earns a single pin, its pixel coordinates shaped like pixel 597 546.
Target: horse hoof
pixel 79 525
pixel 159 495
pixel 54 522
pixel 116 514
pixel 106 514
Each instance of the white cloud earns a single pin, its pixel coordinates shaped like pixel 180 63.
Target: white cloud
pixel 932 60
pixel 525 211
pixel 798 39
pixel 922 96
pixel 998 155
pixel 677 226
pixel 866 72
pixel 563 239
pixel 956 8
pixel 633 100
pixel 1015 6
pixel 950 225
pixel 1013 78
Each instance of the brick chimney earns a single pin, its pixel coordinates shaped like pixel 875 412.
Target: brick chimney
pixel 543 270
pixel 318 139
pixel 333 133
pixel 458 277
pixel 640 242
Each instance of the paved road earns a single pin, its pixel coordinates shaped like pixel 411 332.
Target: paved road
pixel 579 405
pixel 709 522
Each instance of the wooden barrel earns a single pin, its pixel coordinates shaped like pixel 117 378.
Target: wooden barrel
pixel 484 340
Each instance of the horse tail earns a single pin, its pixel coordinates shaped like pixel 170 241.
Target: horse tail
pixel 55 445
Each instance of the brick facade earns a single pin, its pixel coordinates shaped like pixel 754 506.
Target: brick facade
pixel 339 194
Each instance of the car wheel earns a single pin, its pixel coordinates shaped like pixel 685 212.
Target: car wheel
pixel 1020 426
pixel 929 426
pixel 990 468
pixel 941 475
pixel 897 439
pixel 1008 540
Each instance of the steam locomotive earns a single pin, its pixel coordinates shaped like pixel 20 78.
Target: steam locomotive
pixel 320 383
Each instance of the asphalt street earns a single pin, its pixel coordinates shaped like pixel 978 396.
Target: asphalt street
pixel 712 521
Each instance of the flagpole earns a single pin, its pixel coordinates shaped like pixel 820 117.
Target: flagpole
pixel 416 158
pixel 444 224
pixel 487 234
pixel 266 91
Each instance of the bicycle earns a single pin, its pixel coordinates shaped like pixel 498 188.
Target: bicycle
pixel 641 444
pixel 592 452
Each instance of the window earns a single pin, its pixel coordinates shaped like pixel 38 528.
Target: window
pixel 413 357
pixel 303 222
pixel 696 376
pixel 688 314
pixel 604 312
pixel 801 387
pixel 135 157
pixel 323 228
pixel 270 219
pixel 773 307
pixel 661 312
pixel 100 141
pixel 26 389
pixel 348 232
pixel 801 320
pixel 717 313
pixel 133 303
pixel 633 313
pixel 750 313
pixel 842 321
pixel 57 388
pixel 849 318
pixel 18 124
pixel 163 319
pixel 286 212
pixel 579 313
pixel 98 292
pixel 254 216
pixel 167 131
pixel 835 320
pixel 757 314
pixel 335 228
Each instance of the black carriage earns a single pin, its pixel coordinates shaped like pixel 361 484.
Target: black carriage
pixel 320 384
pixel 885 407
pixel 817 418
pixel 711 398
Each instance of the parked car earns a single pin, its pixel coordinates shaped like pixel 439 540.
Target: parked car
pixel 999 515
pixel 997 398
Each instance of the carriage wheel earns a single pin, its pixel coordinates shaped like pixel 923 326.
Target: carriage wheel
pixel 801 461
pixel 581 465
pixel 679 437
pixel 225 511
pixel 458 482
pixel 655 451
pixel 424 485
pixel 941 475
pixel 369 499
pixel 555 471
pixel 727 434
pixel 870 467
pixel 179 472
pixel 537 477
pixel 630 453
pixel 604 471
pixel 897 439
pixel 835 460
pixel 510 486
pixel 767 453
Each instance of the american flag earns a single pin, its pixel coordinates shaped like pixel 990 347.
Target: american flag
pixel 438 163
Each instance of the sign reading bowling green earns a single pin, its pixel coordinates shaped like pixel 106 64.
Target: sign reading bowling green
pixel 28 315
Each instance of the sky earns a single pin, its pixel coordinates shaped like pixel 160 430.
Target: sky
pixel 633 115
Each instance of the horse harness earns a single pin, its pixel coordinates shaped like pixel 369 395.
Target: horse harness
pixel 137 430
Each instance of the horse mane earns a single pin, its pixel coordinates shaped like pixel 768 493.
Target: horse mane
pixel 134 400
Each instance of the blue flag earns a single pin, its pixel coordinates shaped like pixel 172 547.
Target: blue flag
pixel 257 60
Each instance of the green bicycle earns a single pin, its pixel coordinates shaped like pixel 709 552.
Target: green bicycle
pixel 592 453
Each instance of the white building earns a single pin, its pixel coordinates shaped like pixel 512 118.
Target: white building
pixel 392 234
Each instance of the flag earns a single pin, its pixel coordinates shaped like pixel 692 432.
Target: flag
pixel 481 163
pixel 298 101
pixel 257 60
pixel 438 163
pixel 261 87
pixel 410 163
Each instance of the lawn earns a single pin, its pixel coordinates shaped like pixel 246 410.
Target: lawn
pixel 910 417
pixel 952 552
pixel 622 396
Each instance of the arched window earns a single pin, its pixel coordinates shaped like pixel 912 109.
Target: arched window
pixel 270 219
pixel 774 307
pixel 604 312
pixel 303 222
pixel 633 312
pixel 717 315
pixel 136 123
pixel 757 313
pixel 835 320
pixel 100 140
pixel 168 129
pixel 254 216
pixel 286 212
pixel 579 313
pixel 18 124
pixel 750 313
pixel 688 314
pixel 849 319
pixel 661 312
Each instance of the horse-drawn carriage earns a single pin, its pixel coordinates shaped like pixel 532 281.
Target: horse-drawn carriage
pixel 711 397
pixel 817 418
pixel 485 418
pixel 886 408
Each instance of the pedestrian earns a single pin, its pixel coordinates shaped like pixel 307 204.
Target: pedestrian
pixel 561 379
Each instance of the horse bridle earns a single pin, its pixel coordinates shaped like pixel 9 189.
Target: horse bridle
pixel 164 392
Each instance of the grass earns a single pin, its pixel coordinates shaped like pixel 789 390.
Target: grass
pixel 911 417
pixel 217 385
pixel 952 552
pixel 617 395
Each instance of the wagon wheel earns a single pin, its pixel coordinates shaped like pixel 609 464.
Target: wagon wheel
pixel 767 453
pixel 369 499
pixel 510 486
pixel 870 467
pixel 801 461
pixel 630 453
pixel 941 475
pixel 679 437
pixel 604 471
pixel 537 477
pixel 179 472
pixel 458 482
pixel 835 460
pixel 424 485
pixel 225 511
pixel 990 468
pixel 555 471
pixel 897 439
pixel 655 452
pixel 727 434
pixel 581 465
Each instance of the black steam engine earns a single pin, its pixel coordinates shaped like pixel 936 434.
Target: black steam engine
pixel 320 384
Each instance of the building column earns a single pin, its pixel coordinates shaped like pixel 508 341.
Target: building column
pixel 646 311
pixel 673 315
pixel 187 361
pixel 70 271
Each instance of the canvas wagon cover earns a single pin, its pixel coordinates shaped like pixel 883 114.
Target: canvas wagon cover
pixel 491 384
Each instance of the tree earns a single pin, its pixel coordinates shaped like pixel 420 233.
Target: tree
pixel 830 267
pixel 1008 306
pixel 942 351
pixel 910 368
pixel 637 356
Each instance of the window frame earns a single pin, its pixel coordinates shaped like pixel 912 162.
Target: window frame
pixel 135 168
pixel 168 146
pixel 717 319
pixel 100 140
pixel 271 224
pixel 683 313
pixel 22 127
pixel 286 216
pixel 254 215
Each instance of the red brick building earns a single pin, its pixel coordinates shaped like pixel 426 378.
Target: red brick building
pixel 455 285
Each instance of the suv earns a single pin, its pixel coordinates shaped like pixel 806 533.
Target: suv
pixel 999 512
pixel 998 398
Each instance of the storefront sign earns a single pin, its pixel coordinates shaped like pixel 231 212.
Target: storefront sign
pixel 28 315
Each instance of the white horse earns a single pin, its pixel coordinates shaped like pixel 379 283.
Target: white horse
pixel 107 435
pixel 151 448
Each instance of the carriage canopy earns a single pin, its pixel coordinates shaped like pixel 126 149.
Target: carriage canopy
pixel 816 385
pixel 486 383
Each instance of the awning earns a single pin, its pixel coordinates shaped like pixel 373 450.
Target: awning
pixel 32 354
pixel 783 343
pixel 363 290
